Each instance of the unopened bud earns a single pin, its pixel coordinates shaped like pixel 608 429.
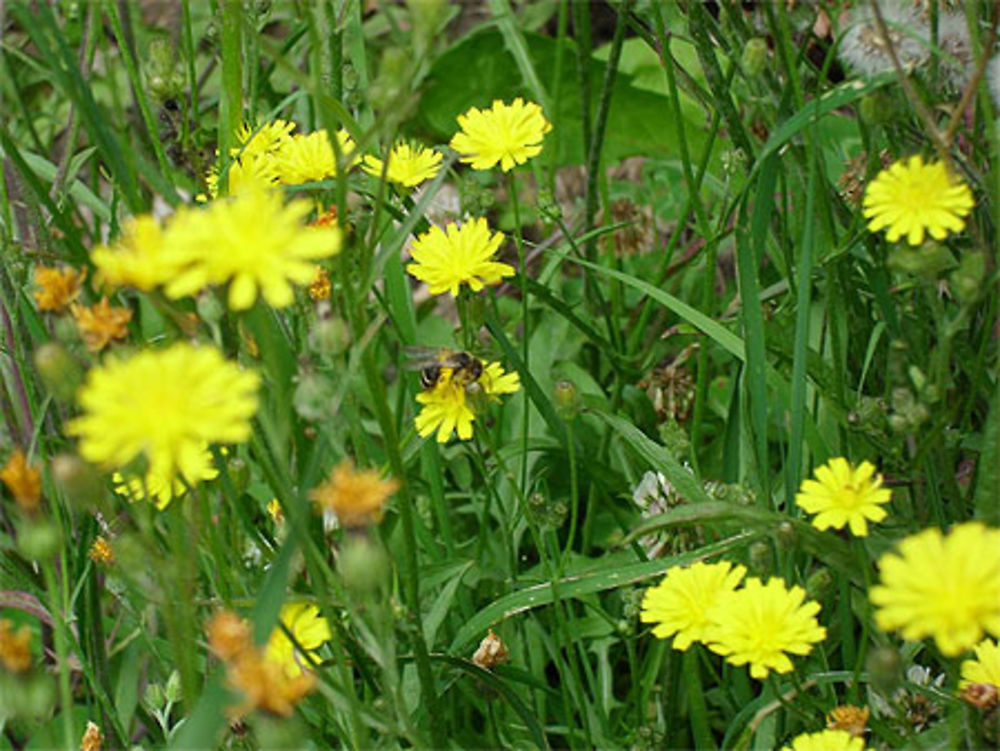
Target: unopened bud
pixel 38 539
pixel 760 559
pixel 330 336
pixel 363 565
pixel 968 278
pixel 58 370
pixel 567 400
pixel 78 481
pixel 818 584
pixel 239 474
pixel 927 260
pixel 313 396
pixel 885 668
pixel 786 537
pixel 754 58
pixel 210 308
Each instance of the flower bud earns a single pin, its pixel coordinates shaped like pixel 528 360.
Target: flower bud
pixel 885 667
pixel 58 370
pixel 567 400
pixel 818 584
pixel 330 336
pixel 79 482
pixel 786 537
pixel 172 691
pixel 363 565
pixel 313 396
pixel 754 58
pixel 38 539
pixel 760 559
pixel 967 279
pixel 239 474
pixel 210 308
pixel 927 260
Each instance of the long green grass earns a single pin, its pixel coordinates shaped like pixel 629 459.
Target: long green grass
pixel 778 330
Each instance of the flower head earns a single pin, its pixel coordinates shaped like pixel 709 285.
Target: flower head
pixel 308 627
pixel 166 405
pixel 680 604
pixel 268 138
pixel 310 158
pixel 101 552
pixel 253 241
pixel 193 468
pixel 93 739
pixel 985 668
pixel 844 495
pixel 408 166
pixel 100 324
pixel 57 287
pixel 320 287
pixel 849 718
pixel 945 586
pixel 355 496
pixel 23 481
pixel 459 254
pixel 826 740
pixel 15 648
pixel 761 624
pixel 911 198
pixel 140 257
pixel 506 133
pixel 865 48
pixel 448 405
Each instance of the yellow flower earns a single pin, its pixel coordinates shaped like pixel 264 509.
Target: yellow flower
pixel 446 406
pixel 912 198
pixel 101 552
pixel 245 173
pixel 193 467
pixel 826 740
pixel 506 133
pixel 308 627
pixel 266 139
pixel 275 511
pixel 681 603
pixel 844 495
pixel 945 586
pixel 849 718
pixel 985 668
pixel 355 496
pixel 100 324
pixel 23 481
pixel 57 287
pixel 320 287
pixel 254 242
pixel 140 257
pixel 310 158
pixel 166 405
pixel 408 166
pixel 460 254
pixel 761 624
pixel 15 648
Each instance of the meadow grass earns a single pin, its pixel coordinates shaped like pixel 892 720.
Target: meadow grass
pixel 697 312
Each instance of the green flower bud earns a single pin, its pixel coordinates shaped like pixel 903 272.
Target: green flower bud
pixel 239 474
pixel 754 58
pixel 58 370
pixel 818 584
pixel 80 483
pixel 885 667
pixel 210 309
pixel 330 336
pixel 786 537
pixel 760 559
pixel 927 260
pixel 967 279
pixel 38 539
pixel 172 691
pixel 567 400
pixel 313 396
pixel 364 565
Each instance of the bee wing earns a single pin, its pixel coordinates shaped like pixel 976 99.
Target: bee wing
pixel 419 358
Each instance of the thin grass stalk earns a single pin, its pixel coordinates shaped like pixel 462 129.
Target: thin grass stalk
pixel 231 99
pixel 525 327
pixel 59 613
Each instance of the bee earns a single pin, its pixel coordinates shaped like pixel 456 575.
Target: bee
pixel 465 369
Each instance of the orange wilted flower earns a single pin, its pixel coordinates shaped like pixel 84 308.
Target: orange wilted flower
pixel 23 481
pixel 57 287
pixel 355 496
pixel 15 648
pixel 100 324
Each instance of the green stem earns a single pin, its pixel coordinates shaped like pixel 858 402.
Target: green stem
pixel 62 653
pixel 525 328
pixel 574 495
pixel 231 100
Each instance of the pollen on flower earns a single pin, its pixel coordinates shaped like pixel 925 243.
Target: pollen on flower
pixel 100 324
pixel 23 481
pixel 15 647
pixel 57 287
pixel 357 497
